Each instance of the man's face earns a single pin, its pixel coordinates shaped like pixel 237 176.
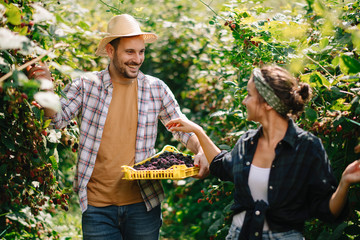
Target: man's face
pixel 128 57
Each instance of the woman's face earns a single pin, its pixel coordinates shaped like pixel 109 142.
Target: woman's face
pixel 255 108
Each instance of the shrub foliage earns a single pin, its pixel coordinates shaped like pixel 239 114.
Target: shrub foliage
pixel 205 58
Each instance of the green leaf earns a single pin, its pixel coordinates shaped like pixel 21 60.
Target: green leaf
pixel 339 105
pixel 319 79
pixel 54 162
pixel 352 121
pixel 21 30
pixel 352 229
pixel 215 226
pixel 47 123
pixel 349 65
pixel 305 78
pixel 230 83
pixel 324 42
pixel 319 8
pixel 257 39
pixel 13 14
pixel 219 113
pixel 324 235
pixel 311 114
pixel 8 142
pixel 335 61
pixel 338 231
pixel 3 168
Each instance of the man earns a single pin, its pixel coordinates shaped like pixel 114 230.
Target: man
pixel 119 116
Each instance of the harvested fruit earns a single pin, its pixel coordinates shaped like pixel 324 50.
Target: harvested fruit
pixel 165 161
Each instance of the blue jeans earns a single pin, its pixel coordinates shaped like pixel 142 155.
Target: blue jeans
pixel 129 222
pixel 234 233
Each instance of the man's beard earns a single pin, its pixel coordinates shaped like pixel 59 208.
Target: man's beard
pixel 122 70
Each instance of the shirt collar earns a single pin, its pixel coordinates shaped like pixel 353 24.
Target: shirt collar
pixel 291 133
pixel 106 77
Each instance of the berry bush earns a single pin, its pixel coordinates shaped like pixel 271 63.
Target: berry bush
pixel 204 53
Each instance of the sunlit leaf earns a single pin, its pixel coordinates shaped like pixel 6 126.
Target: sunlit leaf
pixel 340 105
pixel 53 162
pixel 46 123
pixel 355 36
pixel 13 14
pixel 319 79
pixel 219 113
pixel 349 65
pixel 257 39
pixel 324 42
pixel 319 8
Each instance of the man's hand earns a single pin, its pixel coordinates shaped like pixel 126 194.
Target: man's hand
pixel 45 97
pixel 39 71
pixel 201 161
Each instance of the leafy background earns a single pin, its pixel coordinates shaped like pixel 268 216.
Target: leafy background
pixel 205 52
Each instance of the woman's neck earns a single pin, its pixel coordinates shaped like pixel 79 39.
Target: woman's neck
pixel 274 129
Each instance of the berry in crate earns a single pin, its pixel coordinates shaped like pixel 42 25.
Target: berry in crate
pixel 165 160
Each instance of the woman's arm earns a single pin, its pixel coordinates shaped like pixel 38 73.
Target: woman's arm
pixel 185 125
pixel 349 176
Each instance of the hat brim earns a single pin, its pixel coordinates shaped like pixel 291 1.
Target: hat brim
pixel 101 51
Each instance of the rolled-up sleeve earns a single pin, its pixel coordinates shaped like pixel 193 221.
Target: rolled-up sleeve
pixel 171 110
pixel 221 166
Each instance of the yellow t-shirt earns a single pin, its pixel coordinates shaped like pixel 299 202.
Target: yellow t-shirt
pixel 106 186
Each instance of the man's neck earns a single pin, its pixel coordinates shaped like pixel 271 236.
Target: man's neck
pixel 115 78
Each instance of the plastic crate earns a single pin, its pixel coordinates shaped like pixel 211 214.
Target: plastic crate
pixel 175 172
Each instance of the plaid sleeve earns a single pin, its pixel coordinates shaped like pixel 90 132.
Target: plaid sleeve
pixel 171 110
pixel 71 105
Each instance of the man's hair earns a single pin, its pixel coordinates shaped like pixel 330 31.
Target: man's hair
pixel 115 43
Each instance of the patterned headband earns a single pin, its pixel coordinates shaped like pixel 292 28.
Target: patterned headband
pixel 268 93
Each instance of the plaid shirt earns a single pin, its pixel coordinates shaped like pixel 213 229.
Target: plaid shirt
pixel 91 99
pixel 300 185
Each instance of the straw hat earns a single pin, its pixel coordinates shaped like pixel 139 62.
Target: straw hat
pixel 123 25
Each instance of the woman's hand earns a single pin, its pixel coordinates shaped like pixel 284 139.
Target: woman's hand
pixel 182 125
pixel 201 161
pixel 351 174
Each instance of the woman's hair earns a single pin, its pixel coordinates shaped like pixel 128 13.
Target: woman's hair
pixel 291 92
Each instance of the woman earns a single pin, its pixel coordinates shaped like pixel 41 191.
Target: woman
pixel 281 173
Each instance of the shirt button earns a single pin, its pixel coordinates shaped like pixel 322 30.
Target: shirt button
pixel 256 234
pixel 270 187
pixel 273 165
pixel 247 163
pixel 257 213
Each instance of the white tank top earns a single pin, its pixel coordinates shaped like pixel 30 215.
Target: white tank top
pixel 258 184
